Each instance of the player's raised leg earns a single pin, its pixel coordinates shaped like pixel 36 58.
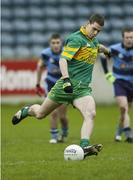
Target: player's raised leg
pixel 36 110
pixel 86 106
pixel 124 125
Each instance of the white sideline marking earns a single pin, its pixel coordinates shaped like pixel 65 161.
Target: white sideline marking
pixel 23 163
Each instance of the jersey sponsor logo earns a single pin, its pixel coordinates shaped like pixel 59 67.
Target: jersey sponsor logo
pixel 126 66
pixel 122 66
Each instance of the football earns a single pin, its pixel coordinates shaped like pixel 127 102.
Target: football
pixel 73 152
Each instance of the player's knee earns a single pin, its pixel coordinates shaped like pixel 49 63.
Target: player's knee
pixel 90 114
pixel 62 116
pixel 123 109
pixel 93 113
pixel 54 115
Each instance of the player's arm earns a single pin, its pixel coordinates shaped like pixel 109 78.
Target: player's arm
pixel 103 58
pixel 67 86
pixel 40 69
pixel 71 47
pixel 104 62
pixel 63 68
pixel 108 75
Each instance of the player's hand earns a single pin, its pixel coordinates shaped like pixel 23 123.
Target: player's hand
pixel 39 91
pixel 67 85
pixel 109 76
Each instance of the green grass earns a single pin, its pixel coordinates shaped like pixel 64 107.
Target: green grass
pixel 27 155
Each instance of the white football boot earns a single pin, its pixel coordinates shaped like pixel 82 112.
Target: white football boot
pixel 53 141
pixel 118 138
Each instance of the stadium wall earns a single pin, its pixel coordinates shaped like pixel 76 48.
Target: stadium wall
pixel 19 78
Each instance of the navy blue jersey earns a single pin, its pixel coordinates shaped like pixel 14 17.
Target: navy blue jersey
pixel 51 61
pixel 122 62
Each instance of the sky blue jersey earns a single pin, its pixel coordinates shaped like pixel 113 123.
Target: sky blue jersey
pixel 122 62
pixel 51 61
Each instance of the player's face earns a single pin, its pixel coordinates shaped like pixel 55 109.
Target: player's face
pixel 93 29
pixel 128 39
pixel 56 45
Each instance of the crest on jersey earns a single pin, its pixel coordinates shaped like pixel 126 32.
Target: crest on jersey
pixel 120 55
pixel 88 45
pixel 51 60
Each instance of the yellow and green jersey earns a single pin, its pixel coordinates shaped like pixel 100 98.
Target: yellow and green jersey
pixel 81 53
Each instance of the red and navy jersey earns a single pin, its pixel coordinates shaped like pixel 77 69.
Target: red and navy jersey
pixel 51 61
pixel 122 62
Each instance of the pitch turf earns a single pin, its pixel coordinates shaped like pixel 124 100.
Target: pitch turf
pixel 27 155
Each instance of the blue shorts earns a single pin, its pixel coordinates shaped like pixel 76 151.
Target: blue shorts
pixel 48 86
pixel 123 88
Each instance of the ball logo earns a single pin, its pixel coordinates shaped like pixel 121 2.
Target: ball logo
pixel 70 151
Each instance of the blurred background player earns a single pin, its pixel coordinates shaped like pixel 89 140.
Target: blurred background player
pixel 122 79
pixel 50 62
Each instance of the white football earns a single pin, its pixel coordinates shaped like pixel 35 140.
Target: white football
pixel 73 152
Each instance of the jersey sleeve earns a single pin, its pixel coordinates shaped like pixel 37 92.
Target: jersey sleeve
pixel 113 50
pixel 72 45
pixel 45 57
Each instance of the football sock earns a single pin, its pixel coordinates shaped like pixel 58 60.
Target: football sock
pixel 54 133
pixel 84 143
pixel 127 131
pixel 119 131
pixel 65 132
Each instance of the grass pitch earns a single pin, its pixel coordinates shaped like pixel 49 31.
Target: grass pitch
pixel 27 155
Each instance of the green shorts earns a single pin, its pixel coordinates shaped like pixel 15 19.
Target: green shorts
pixel 58 95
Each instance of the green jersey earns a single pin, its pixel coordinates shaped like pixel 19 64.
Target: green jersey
pixel 81 53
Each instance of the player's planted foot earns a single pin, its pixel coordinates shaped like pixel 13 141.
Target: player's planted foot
pixel 118 138
pixel 20 115
pixel 53 141
pixel 62 138
pixel 129 140
pixel 92 150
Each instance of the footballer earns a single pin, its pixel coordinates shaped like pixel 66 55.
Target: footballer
pixel 76 64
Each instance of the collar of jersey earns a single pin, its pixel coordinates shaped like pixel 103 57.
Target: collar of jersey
pixel 128 49
pixel 83 31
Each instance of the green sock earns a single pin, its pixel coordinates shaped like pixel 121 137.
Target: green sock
pixel 25 111
pixel 84 142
